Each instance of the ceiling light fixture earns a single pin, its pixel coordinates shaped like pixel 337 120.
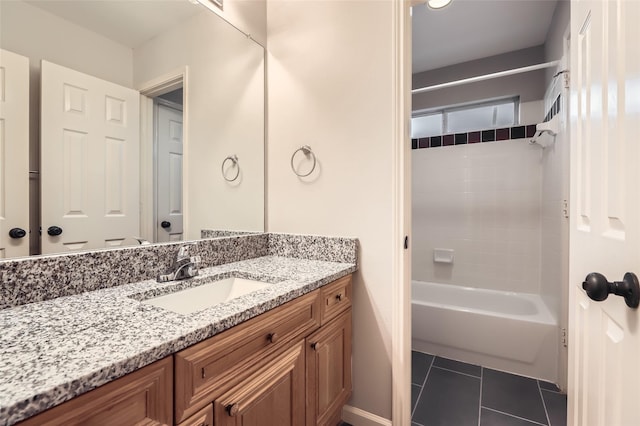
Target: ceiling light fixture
pixel 438 4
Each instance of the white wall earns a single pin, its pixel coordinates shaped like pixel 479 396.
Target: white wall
pixel 330 86
pixel 225 113
pixel 37 34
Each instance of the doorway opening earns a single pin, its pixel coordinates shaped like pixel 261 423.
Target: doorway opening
pixel 168 149
pixel 163 147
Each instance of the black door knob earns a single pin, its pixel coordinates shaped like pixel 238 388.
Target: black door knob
pixel 17 233
pixel 598 288
pixel 165 224
pixel 54 231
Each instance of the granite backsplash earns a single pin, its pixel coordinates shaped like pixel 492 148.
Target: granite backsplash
pixel 39 278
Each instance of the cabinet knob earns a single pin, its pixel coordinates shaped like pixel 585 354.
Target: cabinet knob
pixel 233 409
pixel 17 233
pixel 339 297
pixel 273 337
pixel 165 224
pixel 314 346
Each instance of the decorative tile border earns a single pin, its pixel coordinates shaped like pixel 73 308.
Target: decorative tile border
pixel 477 136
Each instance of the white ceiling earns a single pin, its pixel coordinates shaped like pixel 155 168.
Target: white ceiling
pixel 130 23
pixel 473 29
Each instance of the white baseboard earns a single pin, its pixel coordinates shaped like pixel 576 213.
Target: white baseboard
pixel 358 417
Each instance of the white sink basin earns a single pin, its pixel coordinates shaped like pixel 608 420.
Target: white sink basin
pixel 205 296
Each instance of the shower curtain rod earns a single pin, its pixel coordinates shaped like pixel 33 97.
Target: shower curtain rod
pixel 485 77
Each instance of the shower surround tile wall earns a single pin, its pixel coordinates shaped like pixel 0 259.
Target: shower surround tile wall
pixel 483 201
pixel 554 242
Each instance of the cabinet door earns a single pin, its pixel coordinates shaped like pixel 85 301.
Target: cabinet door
pixel 143 397
pixel 272 396
pixel 329 371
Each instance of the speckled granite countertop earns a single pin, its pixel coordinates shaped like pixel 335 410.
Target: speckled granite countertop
pixel 55 350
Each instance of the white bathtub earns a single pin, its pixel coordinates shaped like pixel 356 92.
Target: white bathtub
pixel 512 332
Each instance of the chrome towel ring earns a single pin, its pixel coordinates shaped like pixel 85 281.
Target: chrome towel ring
pixel 234 160
pixel 306 150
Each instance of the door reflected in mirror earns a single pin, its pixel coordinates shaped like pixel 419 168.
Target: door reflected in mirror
pixel 128 110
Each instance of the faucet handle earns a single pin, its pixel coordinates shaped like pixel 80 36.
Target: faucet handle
pixel 183 251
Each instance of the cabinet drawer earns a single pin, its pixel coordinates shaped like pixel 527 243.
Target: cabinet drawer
pixel 335 299
pixel 203 417
pixel 205 370
pixel 142 397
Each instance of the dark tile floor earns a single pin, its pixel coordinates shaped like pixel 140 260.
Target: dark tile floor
pixel 445 392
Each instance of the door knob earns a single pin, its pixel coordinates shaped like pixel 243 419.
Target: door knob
pixel 165 224
pixel 54 231
pixel 17 233
pixel 598 288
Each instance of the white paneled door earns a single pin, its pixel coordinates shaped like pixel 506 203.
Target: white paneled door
pixel 89 161
pixel 168 130
pixel 14 155
pixel 604 347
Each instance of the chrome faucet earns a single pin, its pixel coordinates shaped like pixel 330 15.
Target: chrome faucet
pixel 183 266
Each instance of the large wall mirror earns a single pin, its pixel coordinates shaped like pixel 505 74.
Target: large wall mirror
pixel 125 119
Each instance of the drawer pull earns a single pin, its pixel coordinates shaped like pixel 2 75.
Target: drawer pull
pixel 203 373
pixel 339 297
pixel 204 424
pixel 233 409
pixel 273 337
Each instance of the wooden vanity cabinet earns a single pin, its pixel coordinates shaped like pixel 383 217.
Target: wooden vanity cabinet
pixel 302 377
pixel 288 366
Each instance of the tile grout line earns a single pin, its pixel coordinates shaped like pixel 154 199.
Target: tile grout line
pixel 544 404
pixel 457 372
pixel 424 383
pixel 514 416
pixel 480 399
